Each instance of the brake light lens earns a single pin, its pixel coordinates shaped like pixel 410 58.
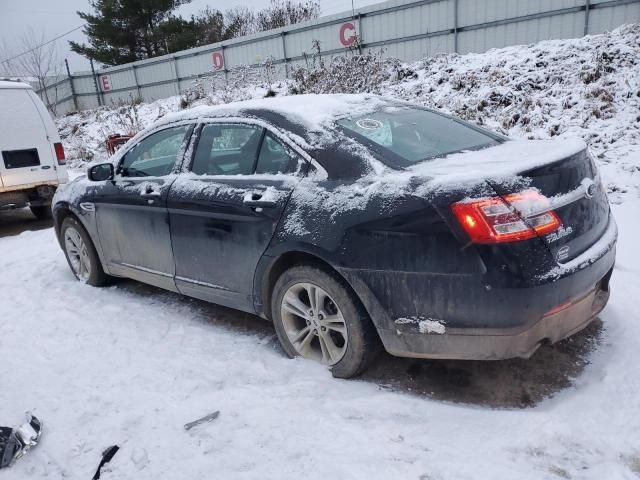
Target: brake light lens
pixel 59 153
pixel 510 218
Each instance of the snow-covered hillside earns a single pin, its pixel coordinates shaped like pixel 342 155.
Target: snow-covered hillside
pixel 589 88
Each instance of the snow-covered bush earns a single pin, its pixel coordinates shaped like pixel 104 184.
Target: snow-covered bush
pixel 351 73
pixel 196 91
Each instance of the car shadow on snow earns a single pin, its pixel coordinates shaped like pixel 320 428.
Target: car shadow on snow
pixel 515 383
pixel 14 222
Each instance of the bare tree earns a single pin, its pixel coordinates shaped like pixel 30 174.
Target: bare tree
pixel 38 62
pixel 239 21
pixel 281 13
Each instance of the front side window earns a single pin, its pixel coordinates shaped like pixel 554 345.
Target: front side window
pixel 226 149
pixel 412 135
pixel 154 156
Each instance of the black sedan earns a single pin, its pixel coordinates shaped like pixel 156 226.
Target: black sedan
pixel 353 223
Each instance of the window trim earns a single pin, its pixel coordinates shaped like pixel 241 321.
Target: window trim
pixel 320 172
pixel 258 150
pixel 286 148
pixel 179 157
pixel 188 162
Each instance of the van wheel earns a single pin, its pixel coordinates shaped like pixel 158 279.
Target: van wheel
pixel 318 318
pixel 42 212
pixel 81 254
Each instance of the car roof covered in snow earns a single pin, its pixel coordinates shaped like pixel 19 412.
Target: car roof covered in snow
pixel 312 112
pixel 14 85
pixel 306 120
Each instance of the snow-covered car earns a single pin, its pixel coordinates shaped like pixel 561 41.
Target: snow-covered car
pixel 353 222
pixel 33 161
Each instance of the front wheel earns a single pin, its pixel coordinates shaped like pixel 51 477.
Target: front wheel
pixel 318 318
pixel 81 254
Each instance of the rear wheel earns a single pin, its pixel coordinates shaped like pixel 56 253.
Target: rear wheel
pixel 81 254
pixel 318 318
pixel 42 212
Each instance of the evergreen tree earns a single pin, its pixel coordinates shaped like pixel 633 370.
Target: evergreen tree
pixel 122 31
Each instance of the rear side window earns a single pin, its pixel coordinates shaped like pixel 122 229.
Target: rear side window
pixel 410 135
pixel 226 149
pixel 274 157
pixel 21 158
pixel 155 155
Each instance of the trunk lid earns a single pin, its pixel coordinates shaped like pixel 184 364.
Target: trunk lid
pixel 575 190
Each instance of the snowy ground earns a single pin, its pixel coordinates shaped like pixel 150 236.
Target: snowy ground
pixel 129 365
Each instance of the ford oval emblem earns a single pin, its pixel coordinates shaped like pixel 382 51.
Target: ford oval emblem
pixel 590 190
pixel 563 253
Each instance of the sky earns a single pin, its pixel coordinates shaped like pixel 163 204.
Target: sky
pixel 54 17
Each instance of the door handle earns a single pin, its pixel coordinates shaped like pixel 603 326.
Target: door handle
pixel 151 194
pixel 257 200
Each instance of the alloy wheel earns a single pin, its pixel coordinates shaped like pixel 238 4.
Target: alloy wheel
pixel 314 324
pixel 77 253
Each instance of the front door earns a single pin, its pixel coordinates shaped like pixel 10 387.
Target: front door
pixel 224 212
pixel 131 210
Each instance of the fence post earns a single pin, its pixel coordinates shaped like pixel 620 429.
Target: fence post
pixel 95 82
pixel 73 90
pixel 359 33
pixel 175 72
pixel 135 79
pixel 224 65
pixel 587 8
pixel 455 26
pixel 284 54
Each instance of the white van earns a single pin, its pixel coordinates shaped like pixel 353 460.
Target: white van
pixel 32 164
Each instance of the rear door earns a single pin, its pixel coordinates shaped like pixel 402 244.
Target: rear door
pixel 224 211
pixel 131 210
pixel 27 151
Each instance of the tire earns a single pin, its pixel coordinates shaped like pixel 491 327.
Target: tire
pixel 42 212
pixel 318 333
pixel 81 253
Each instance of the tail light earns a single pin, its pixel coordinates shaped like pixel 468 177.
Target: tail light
pixel 59 153
pixel 510 218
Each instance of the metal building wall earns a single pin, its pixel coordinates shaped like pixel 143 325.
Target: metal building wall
pixel 405 29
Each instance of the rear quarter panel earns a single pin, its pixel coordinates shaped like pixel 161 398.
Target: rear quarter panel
pixel 376 237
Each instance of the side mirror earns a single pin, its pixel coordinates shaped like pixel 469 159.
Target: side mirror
pixel 101 172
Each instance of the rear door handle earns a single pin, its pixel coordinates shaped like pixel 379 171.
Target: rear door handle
pixel 256 200
pixel 151 194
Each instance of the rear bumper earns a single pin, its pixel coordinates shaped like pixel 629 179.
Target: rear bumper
pixel 496 344
pixel 39 195
pixel 465 317
pixel 30 186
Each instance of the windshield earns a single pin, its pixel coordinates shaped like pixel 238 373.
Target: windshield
pixel 407 136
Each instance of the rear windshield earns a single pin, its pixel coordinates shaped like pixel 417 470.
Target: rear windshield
pixel 407 136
